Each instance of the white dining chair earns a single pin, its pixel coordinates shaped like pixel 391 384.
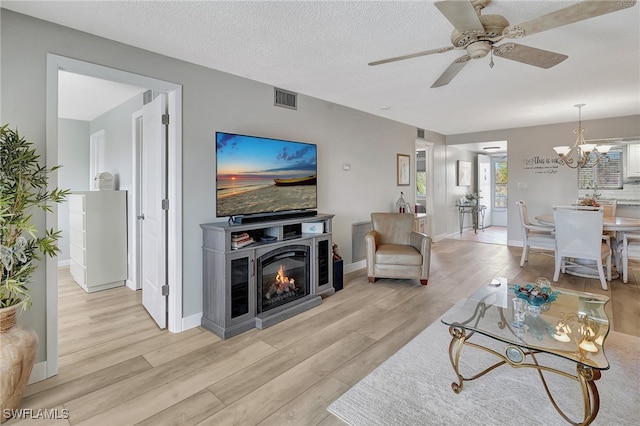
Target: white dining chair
pixel 578 235
pixel 630 250
pixel 533 235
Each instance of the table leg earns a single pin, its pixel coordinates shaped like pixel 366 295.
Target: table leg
pixel 586 376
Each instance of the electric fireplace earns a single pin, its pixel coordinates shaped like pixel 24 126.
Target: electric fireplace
pixel 283 276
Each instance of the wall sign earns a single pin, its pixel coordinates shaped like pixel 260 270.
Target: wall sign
pixel 541 165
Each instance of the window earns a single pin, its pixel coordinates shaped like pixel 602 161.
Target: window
pixel 606 175
pixel 500 199
pixel 421 173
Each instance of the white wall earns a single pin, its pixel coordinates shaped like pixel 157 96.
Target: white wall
pixel 73 154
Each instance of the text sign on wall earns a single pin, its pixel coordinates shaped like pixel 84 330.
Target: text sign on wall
pixel 541 165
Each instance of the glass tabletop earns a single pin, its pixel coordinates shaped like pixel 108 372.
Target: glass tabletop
pixel 573 326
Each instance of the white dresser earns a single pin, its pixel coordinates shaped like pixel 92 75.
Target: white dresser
pixel 98 239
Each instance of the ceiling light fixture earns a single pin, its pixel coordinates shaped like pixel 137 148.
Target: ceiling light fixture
pixel 491 148
pixel 581 154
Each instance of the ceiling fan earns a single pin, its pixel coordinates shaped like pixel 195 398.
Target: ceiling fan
pixel 478 34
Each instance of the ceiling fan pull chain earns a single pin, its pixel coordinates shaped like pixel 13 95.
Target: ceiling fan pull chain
pixel 491 62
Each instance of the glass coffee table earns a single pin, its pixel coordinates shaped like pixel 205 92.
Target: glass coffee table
pixel 574 326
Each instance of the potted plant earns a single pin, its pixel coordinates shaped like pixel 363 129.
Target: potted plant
pixel 23 189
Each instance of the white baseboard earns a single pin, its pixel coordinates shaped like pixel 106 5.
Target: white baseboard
pixel 38 373
pixel 62 263
pixel 192 321
pixel 355 266
pixel 131 285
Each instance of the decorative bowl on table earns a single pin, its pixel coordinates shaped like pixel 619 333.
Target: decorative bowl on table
pixel 537 297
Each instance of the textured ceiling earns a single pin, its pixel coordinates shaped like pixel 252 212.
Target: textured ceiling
pixel 321 49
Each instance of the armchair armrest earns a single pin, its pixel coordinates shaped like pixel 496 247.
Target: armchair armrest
pixel 420 241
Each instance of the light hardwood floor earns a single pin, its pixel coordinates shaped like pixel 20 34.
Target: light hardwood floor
pixel 118 368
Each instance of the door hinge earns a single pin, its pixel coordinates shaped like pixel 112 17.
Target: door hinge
pixel 165 119
pixel 165 204
pixel 165 290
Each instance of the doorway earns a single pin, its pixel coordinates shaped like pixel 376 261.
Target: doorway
pixel 173 226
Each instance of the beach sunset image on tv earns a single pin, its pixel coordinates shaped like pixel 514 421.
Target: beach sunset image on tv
pixel 262 175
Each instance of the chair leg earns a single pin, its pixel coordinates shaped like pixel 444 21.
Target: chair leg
pixel 424 282
pixel 372 279
pixel 525 255
pixel 556 274
pixel 603 281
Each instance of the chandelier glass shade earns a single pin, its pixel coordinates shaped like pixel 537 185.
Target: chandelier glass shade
pixel 581 154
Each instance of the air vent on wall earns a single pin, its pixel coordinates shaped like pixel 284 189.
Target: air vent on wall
pixel 285 99
pixel 420 133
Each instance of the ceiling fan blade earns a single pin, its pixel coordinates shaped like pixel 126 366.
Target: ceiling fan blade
pixel 529 55
pixel 451 71
pixel 462 15
pixel 578 12
pixel 412 55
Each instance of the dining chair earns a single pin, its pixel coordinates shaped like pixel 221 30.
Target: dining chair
pixel 630 250
pixel 579 243
pixel 533 235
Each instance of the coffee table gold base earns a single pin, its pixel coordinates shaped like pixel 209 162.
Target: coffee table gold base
pixel 515 356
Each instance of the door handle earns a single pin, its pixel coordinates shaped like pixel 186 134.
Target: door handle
pixel 141 217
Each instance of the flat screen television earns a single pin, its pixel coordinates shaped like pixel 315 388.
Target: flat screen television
pixel 256 175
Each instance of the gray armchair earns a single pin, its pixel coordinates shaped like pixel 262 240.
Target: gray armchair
pixel 394 250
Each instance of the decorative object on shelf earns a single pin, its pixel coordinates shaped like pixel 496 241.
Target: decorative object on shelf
pixel 464 173
pixel 537 295
pixel 589 202
pixel 581 154
pixel 24 187
pixel 583 330
pixel 401 205
pixel 404 169
pixel 471 198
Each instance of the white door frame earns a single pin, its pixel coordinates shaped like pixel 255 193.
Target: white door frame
pixel 174 172
pixel 133 281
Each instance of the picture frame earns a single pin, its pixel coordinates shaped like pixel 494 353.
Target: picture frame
pixel 403 165
pixel 464 173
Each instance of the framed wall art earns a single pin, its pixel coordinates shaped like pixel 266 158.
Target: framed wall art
pixel 404 169
pixel 464 173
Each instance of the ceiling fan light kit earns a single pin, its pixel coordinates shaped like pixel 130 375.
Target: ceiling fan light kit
pixel 581 154
pixel 478 34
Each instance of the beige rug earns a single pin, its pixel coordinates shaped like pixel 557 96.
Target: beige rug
pixel 413 387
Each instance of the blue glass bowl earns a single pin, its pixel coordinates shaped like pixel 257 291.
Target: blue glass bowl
pixel 535 295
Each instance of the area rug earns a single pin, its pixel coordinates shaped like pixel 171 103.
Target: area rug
pixel 413 387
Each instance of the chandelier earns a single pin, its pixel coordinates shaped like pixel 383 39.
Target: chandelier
pixel 581 154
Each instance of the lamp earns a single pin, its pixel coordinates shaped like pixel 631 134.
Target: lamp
pixel 581 154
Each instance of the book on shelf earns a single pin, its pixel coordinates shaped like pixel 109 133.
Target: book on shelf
pixel 241 240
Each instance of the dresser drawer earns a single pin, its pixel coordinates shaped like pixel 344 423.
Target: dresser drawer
pixel 77 221
pixel 78 272
pixel 78 254
pixel 76 203
pixel 77 238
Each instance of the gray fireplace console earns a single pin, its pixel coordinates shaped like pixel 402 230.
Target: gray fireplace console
pixel 230 286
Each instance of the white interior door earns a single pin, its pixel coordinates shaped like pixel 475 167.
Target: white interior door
pixel 484 186
pixel 152 217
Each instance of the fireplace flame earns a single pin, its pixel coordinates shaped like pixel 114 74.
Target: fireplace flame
pixel 282 284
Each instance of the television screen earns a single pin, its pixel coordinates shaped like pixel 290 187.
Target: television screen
pixel 260 175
